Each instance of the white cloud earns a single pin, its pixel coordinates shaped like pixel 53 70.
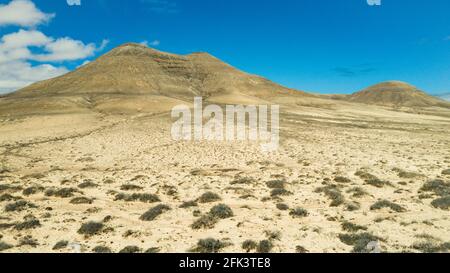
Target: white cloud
pixel 23 38
pixel 15 46
pixel 66 49
pixel 84 63
pixel 103 45
pixel 19 48
pixel 22 13
pixel 154 43
pixel 74 2
pixel 17 74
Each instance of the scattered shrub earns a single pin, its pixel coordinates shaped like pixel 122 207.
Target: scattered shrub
pixel 272 235
pixel 365 175
pixel 81 200
pixel 264 246
pixel 352 206
pixel 350 227
pixel 29 224
pixel 405 174
pixel 276 184
pixel 280 192
pixel 205 222
pixel 282 206
pixel 221 211
pixel 91 228
pixel 358 241
pixel 249 245
pixel 298 212
pixel 300 249
pixel 154 212
pixel 141 197
pixel 130 249
pixel 153 250
pixel 209 245
pixel 32 190
pixel 387 204
pixel 28 241
pixel 8 197
pixel 188 204
pixel 341 179
pixel 131 187
pixel 243 180
pixel 439 187
pixel 209 197
pixel 442 203
pixel 101 249
pixel 357 192
pixel 432 247
pixel 376 182
pixel 19 206
pixel 62 193
pixel 4 246
pixel 87 184
pixel 446 172
pixel 333 193
pixel 60 245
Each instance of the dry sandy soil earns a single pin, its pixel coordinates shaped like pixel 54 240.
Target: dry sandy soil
pixel 319 192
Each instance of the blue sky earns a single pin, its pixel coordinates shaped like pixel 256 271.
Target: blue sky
pixel 326 46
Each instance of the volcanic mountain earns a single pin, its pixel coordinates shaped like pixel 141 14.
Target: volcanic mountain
pixel 133 76
pixel 396 94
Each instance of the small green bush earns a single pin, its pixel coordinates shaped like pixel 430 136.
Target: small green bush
pixel 62 193
pixel 264 246
pixel 298 213
pixel 221 211
pixel 101 249
pixel 442 203
pixel 209 245
pixel 341 179
pixel 60 245
pixel 209 197
pixel 358 241
pixel 29 224
pixel 91 228
pixel 154 212
pixel 249 245
pixel 130 249
pixel 387 204
pixel 188 204
pixel 350 227
pixel 19 206
pixel 276 184
pixel 81 200
pixel 141 197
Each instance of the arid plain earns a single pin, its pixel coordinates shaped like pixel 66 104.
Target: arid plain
pixel 94 169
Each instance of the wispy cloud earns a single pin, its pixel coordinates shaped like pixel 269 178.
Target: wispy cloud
pixel 162 6
pixel 354 71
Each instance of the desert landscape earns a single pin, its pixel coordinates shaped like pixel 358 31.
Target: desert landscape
pixel 88 164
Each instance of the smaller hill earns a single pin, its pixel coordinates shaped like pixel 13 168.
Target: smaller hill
pixel 396 94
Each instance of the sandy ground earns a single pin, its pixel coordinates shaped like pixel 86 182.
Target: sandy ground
pixel 321 205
